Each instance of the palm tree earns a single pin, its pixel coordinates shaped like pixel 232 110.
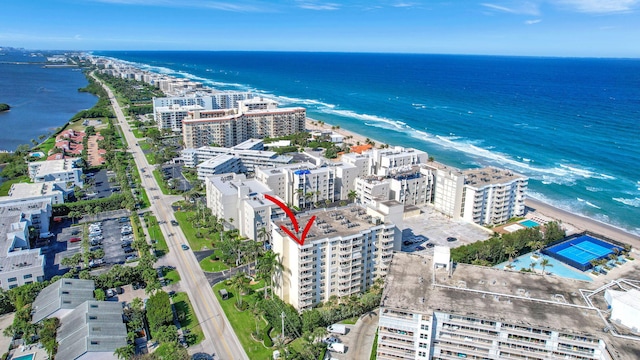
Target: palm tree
pixel 511 251
pixel 544 264
pixel 352 195
pixel 532 265
pixel 269 266
pixel 238 282
pixel 125 352
pixel 536 245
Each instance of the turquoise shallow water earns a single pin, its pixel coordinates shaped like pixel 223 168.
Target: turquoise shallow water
pixel 569 124
pixel 558 268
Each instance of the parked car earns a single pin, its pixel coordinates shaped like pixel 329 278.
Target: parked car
pixel 126 244
pixel 337 347
pixel 174 223
pixel 430 245
pixel 123 219
pixel 337 328
pixel 75 239
pixel 129 250
pixel 95 248
pixel 185 247
pixel 331 340
pixel 451 239
pixel 131 257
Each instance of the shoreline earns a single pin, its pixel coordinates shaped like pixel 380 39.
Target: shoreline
pixel 579 223
pixel 534 207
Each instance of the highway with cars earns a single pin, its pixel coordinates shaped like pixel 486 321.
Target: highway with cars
pixel 220 339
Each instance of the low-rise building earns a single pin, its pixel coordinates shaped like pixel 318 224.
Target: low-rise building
pixel 345 250
pixel 19 264
pixel 61 297
pixel 51 190
pixel 65 171
pixel 93 330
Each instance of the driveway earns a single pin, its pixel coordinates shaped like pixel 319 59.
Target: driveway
pixel 359 338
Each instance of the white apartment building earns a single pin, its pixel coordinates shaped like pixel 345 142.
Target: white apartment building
pixel 45 190
pixel 449 183
pixel 169 112
pixel 386 162
pixel 346 249
pixel 61 171
pixel 170 117
pixel 431 310
pixel 19 264
pixel 372 189
pixel 300 185
pixel 493 196
pixel 232 196
pixel 246 156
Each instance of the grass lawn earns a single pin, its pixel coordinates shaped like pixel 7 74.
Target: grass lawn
pixel 137 133
pixel 212 266
pixel 162 183
pixel 196 243
pixel 47 145
pixel 144 145
pixel 243 323
pixel 143 198
pixel 155 233
pixel 182 304
pixel 374 347
pixel 6 186
pixel 172 276
pixel 349 321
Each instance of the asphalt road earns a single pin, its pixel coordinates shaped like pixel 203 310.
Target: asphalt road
pixel 219 336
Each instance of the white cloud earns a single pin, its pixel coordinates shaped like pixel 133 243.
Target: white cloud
pixel 521 8
pixel 534 21
pixel 238 6
pixel 600 6
pixel 318 6
pixel 404 4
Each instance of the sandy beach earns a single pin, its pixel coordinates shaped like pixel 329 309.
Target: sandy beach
pixel 574 223
pixel 580 223
pixel 313 124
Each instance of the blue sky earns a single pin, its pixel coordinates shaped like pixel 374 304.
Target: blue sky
pixel 600 28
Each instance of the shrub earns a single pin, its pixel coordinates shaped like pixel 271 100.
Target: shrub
pixel 266 339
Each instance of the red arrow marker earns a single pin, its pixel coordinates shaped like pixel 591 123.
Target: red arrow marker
pixel 291 216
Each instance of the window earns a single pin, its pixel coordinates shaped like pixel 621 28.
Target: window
pixel 28 276
pixel 12 279
pixel 13 286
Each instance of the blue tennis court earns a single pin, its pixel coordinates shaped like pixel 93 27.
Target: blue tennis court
pixel 579 251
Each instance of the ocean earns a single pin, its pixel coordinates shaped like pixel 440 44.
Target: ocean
pixel 41 99
pixel 570 124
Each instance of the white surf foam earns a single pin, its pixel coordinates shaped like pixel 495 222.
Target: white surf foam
pixel 635 202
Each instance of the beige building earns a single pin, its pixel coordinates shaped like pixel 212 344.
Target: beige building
pixel 346 249
pixel 255 118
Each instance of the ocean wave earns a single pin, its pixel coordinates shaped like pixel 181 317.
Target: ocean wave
pixel 592 205
pixel 635 202
pixel 399 125
pixel 285 100
pixel 593 189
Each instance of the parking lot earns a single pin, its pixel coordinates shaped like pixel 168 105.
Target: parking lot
pixel 100 186
pixel 432 227
pixel 109 240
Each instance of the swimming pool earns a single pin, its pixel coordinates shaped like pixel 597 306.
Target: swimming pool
pixel 555 267
pixel 529 223
pixel 25 357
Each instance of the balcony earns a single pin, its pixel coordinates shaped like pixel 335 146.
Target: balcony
pixel 307 266
pixel 306 281
pixel 306 296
